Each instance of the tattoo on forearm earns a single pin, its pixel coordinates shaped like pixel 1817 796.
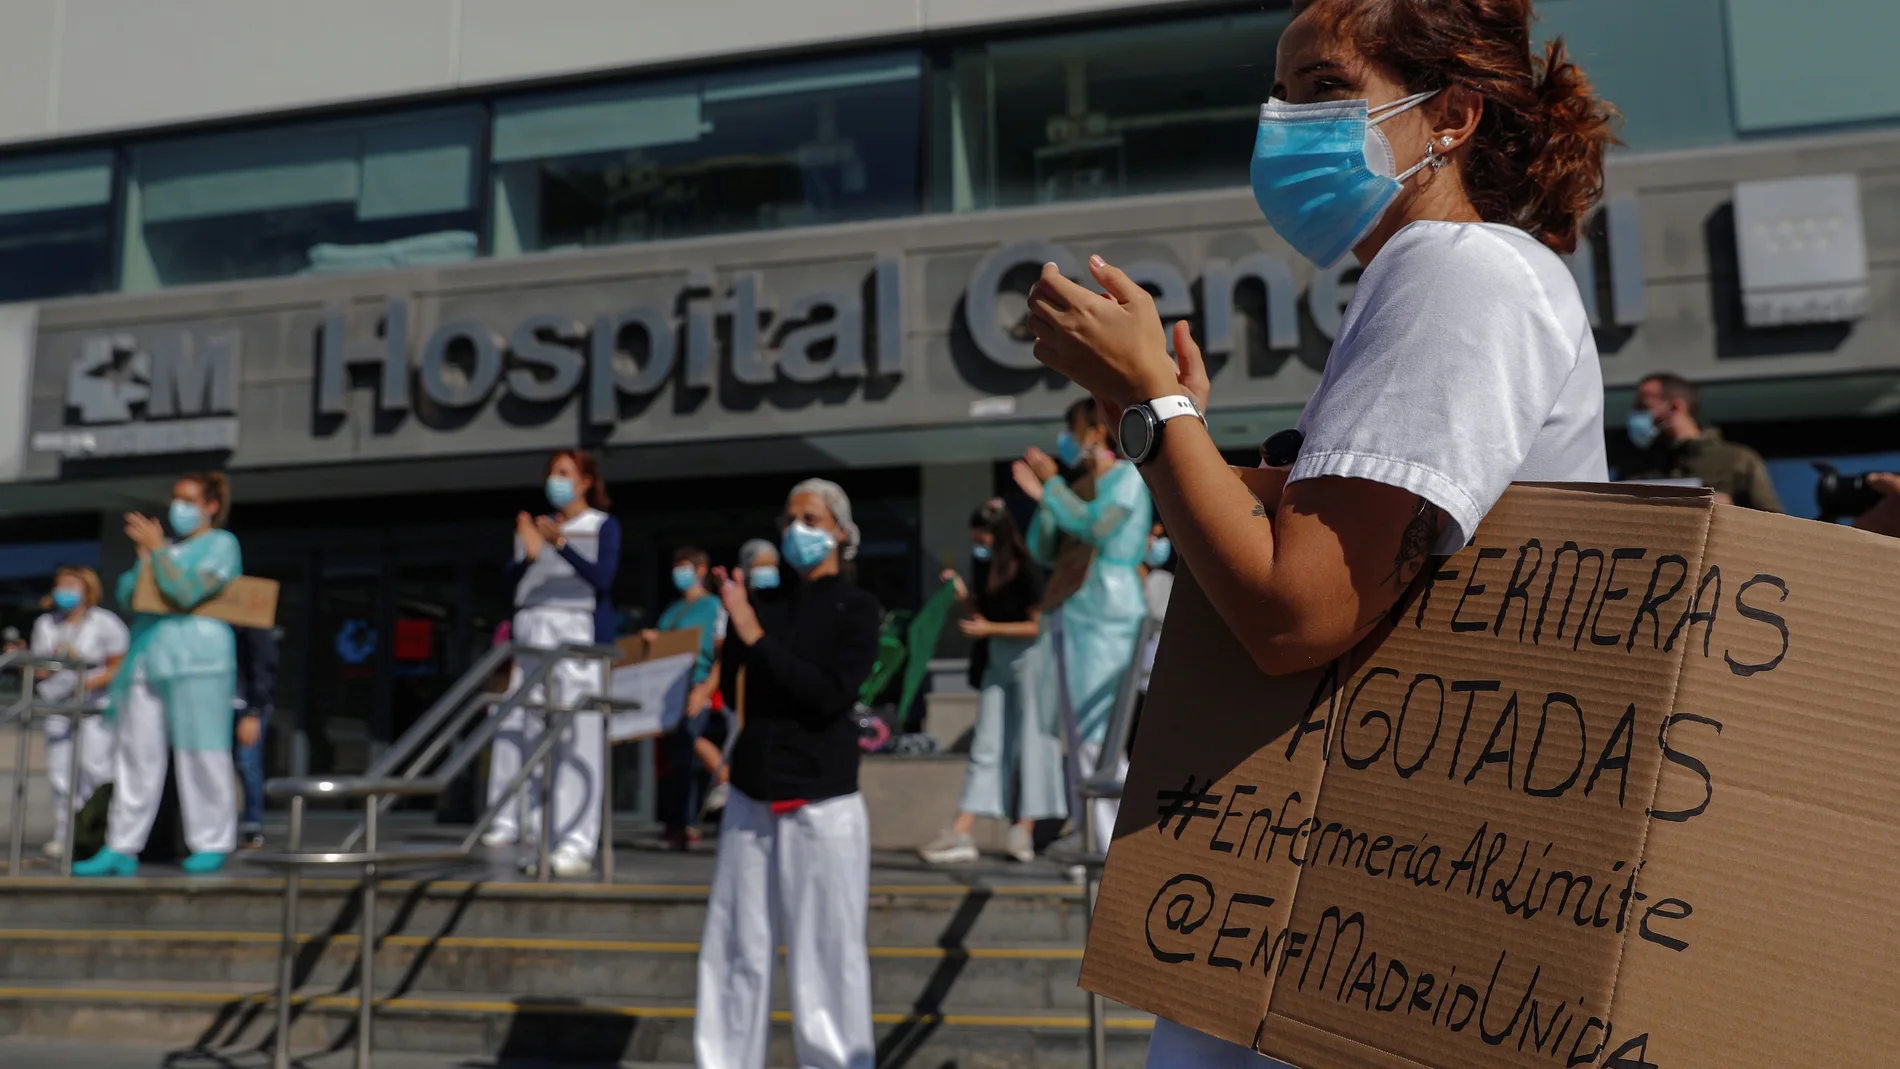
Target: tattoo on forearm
pixel 1415 543
pixel 1259 506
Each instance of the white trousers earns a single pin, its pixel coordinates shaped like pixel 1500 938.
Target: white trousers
pixel 803 879
pixel 1102 811
pixel 95 764
pixel 207 782
pixel 579 754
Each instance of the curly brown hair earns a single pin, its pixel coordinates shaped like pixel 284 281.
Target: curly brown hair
pixel 1536 161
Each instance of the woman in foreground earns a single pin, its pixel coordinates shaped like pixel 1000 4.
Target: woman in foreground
pixel 1425 138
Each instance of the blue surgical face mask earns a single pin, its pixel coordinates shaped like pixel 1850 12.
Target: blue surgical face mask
pixel 763 577
pixel 805 547
pixel 560 491
pixel 1159 551
pixel 185 518
pixel 1068 449
pixel 1323 174
pixel 66 599
pixel 980 551
pixel 685 577
pixel 1641 428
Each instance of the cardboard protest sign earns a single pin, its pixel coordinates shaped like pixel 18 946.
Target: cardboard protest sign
pixel 1542 817
pixel 245 601
pixel 656 674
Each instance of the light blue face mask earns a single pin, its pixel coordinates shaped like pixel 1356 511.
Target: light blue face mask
pixel 65 598
pixel 560 491
pixel 1641 428
pixel 1068 449
pixel 1323 174
pixel 979 551
pixel 763 577
pixel 685 576
pixel 185 518
pixel 805 547
pixel 1159 551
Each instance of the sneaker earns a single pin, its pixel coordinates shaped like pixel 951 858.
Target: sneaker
pixel 251 840
pixel 54 849
pixel 949 848
pixel 566 862
pixel 1078 874
pixel 497 838
pixel 1020 844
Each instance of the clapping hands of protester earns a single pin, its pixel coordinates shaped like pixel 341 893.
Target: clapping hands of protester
pixel 1112 345
pixel 732 594
pixel 530 535
pixel 1032 471
pixel 145 533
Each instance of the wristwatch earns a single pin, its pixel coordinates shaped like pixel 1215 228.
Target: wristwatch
pixel 1141 424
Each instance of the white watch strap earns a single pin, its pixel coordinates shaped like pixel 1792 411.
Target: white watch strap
pixel 1167 408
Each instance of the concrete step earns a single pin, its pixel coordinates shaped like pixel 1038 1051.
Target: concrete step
pixel 929 978
pixel 903 915
pixel 226 1017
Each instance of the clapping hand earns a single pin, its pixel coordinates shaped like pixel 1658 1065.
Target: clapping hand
pixel 144 532
pixel 732 594
pixel 529 534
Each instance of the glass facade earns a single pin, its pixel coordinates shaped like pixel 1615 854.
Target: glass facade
pixel 811 143
pixel 313 199
pixel 55 225
pixel 1103 113
pixel 1136 107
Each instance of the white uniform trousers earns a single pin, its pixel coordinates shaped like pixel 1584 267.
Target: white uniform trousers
pixel 95 764
pixel 1177 1046
pixel 207 782
pixel 579 754
pixel 1102 811
pixel 803 879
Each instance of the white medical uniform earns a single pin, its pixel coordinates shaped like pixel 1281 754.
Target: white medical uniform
pixel 95 637
pixel 801 880
pixel 555 606
pixel 1465 362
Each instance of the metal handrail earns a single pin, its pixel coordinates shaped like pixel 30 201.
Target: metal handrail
pixel 23 713
pixel 1103 782
pixel 428 757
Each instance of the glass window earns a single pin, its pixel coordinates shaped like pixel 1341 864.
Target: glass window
pixel 1822 63
pixel 1665 66
pixel 1137 109
pixel 55 225
pixel 314 199
pixel 812 143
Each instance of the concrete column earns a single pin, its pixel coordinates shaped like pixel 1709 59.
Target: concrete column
pixel 949 493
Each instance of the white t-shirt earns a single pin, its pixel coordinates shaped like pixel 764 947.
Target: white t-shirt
pixel 98 637
pixel 1465 362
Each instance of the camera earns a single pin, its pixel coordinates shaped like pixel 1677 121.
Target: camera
pixel 1842 496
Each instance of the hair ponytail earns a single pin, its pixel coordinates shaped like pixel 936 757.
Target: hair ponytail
pixel 217 489
pixel 1536 160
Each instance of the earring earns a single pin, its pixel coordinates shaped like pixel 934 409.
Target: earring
pixel 1445 140
pixel 1433 159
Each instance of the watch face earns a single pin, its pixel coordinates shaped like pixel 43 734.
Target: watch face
pixel 1137 433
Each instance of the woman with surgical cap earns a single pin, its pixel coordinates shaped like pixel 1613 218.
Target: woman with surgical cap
pixel 795 844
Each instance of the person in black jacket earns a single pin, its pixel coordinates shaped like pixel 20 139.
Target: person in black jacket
pixel 256 700
pixel 795 843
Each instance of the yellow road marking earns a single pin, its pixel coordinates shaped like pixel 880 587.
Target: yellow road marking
pixel 613 946
pixel 966 1020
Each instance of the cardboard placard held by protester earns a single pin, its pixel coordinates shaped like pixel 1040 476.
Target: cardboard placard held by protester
pixel 656 674
pixel 245 601
pixel 1074 557
pixel 1613 786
